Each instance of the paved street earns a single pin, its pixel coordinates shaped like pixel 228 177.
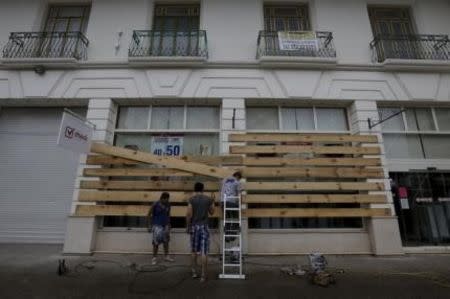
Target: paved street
pixel 30 271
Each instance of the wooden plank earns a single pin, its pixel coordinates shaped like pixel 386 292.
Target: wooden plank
pixel 129 210
pixel 314 198
pixel 136 196
pixel 134 172
pixel 299 149
pixel 180 211
pixel 210 160
pixel 296 161
pixel 316 186
pixel 148 185
pixel 214 160
pixel 112 210
pixel 322 172
pixel 168 162
pixel 108 160
pixel 295 137
pixel 316 213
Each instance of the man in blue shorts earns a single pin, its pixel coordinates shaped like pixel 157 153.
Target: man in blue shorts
pixel 199 208
pixel 160 221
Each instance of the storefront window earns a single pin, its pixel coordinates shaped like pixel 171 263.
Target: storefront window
pixel 443 118
pixel 416 133
pixel 331 119
pixel 301 119
pixel 196 127
pixel 262 118
pixel 296 119
pixel 133 118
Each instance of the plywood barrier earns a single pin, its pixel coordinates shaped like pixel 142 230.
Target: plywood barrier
pixel 319 175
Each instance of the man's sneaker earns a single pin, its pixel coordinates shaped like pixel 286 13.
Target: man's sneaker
pixel 154 261
pixel 169 259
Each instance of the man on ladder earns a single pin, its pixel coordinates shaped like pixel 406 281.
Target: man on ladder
pixel 232 239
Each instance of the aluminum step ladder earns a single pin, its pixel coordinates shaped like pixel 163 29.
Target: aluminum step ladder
pixel 232 239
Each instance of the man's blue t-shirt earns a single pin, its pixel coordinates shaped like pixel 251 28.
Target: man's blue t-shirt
pixel 161 214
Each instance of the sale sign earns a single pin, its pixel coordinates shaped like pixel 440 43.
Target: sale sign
pixel 167 145
pixel 74 134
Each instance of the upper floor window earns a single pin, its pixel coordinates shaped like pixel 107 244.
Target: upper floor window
pixel 391 20
pixel 67 18
pixel 181 18
pixel 286 18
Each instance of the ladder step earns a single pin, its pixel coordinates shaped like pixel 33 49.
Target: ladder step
pixel 233 249
pixel 232 221
pixel 232 276
pixel 232 209
pixel 231 235
pixel 231 265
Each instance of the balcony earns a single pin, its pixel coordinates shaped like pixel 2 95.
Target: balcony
pixel 296 48
pixel 168 47
pixel 45 48
pixel 411 49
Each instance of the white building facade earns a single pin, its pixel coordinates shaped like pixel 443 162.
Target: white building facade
pixel 205 69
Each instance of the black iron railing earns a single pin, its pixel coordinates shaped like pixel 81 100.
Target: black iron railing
pixel 151 43
pixel 418 46
pixel 271 43
pixel 46 45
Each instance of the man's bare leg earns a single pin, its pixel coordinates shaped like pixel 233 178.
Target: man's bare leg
pixel 194 264
pixel 204 267
pixel 155 253
pixel 167 258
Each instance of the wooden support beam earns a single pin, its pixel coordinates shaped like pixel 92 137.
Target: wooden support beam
pixel 314 198
pixel 129 210
pixel 295 137
pixel 322 172
pixel 168 162
pixel 210 160
pixel 313 186
pixel 316 213
pixel 136 196
pixel 148 185
pixel 297 161
pixel 298 149
pixel 134 172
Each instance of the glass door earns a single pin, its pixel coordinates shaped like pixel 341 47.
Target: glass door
pixel 422 204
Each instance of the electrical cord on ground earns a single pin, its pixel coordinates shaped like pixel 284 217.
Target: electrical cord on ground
pixel 134 271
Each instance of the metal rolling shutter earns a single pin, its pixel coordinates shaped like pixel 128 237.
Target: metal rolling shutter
pixel 36 177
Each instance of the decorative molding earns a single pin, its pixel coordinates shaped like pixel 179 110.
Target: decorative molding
pixel 225 83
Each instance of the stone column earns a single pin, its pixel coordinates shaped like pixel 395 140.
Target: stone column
pixel 80 233
pixel 383 231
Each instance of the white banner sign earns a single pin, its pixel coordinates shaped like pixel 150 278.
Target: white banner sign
pixel 297 40
pixel 167 145
pixel 74 134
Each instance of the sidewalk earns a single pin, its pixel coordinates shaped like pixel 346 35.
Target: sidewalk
pixel 30 271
